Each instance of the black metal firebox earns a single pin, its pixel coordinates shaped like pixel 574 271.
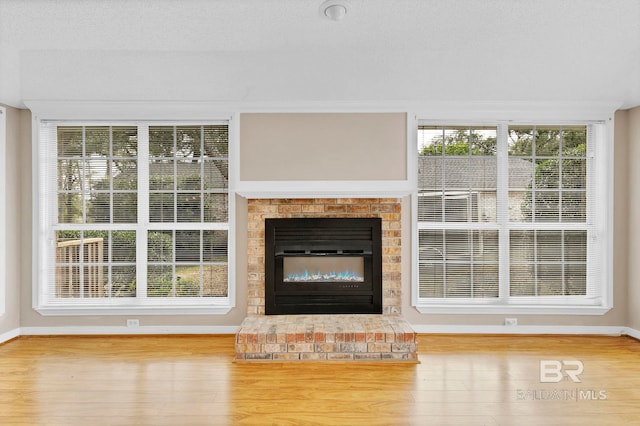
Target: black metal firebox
pixel 323 266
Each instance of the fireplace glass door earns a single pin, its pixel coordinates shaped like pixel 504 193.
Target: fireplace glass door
pixel 323 265
pixel 322 269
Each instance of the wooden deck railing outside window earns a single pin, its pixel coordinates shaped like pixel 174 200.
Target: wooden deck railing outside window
pixel 69 281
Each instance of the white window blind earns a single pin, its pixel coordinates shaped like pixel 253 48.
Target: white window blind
pixel 509 214
pixel 134 214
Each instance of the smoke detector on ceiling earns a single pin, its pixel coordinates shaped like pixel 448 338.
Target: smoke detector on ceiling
pixel 334 10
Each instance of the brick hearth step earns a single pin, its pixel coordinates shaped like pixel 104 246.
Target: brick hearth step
pixel 326 337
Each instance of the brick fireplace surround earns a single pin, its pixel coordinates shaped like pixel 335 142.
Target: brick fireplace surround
pixel 326 337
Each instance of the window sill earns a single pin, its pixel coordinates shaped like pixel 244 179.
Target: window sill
pixel 512 309
pixel 133 310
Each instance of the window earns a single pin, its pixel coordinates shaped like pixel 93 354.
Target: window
pixel 508 216
pixel 134 215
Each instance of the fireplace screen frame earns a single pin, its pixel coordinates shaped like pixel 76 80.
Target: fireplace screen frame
pixel 323 237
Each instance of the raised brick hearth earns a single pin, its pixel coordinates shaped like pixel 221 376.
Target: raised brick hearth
pixel 326 337
pixel 339 337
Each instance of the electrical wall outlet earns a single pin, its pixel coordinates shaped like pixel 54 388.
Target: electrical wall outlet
pixel 133 323
pixel 511 321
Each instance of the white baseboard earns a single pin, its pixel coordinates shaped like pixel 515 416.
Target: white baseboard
pixel 122 330
pixel 632 333
pixel 519 329
pixel 5 337
pixel 418 328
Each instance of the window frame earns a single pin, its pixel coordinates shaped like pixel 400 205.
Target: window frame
pixel 3 211
pixel 602 189
pixel 44 220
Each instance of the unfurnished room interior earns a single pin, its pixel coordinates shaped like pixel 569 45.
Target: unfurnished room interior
pixel 319 212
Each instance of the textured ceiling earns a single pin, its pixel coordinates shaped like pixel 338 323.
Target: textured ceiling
pixel 282 51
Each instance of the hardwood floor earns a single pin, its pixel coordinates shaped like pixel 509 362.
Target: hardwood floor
pixel 192 380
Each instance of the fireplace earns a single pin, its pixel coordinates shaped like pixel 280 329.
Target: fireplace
pixel 332 336
pixel 323 266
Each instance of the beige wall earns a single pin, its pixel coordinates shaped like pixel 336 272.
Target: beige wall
pixel 633 159
pixel 15 136
pixel 323 146
pixel 627 303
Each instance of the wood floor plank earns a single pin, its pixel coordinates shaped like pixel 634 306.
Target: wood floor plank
pixel 192 380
